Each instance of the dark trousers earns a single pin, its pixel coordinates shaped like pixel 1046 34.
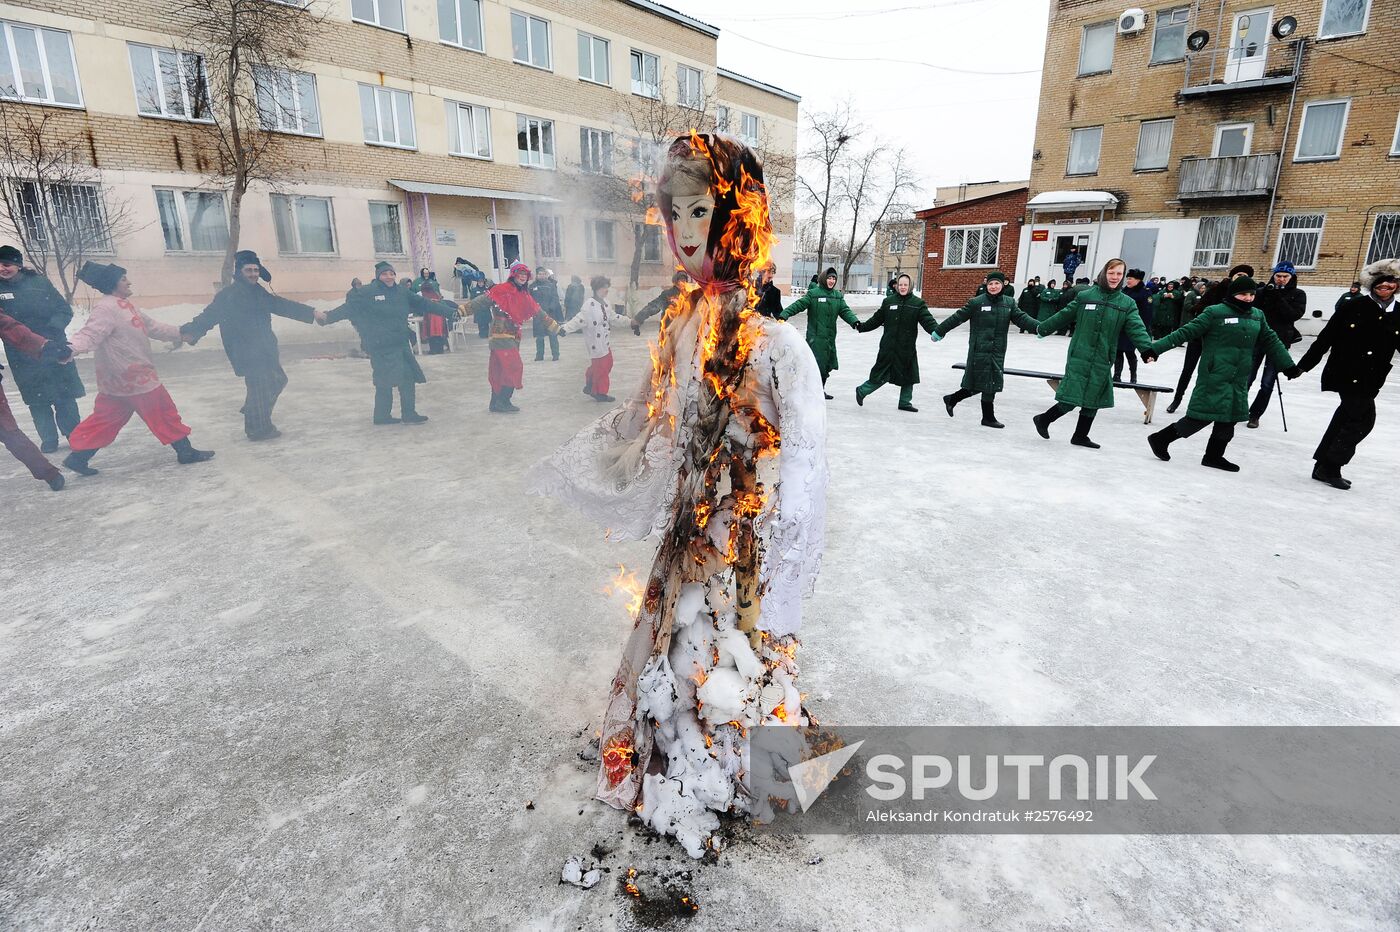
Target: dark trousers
pixel 1086 417
pixel 1131 357
pixel 1220 433
pixel 437 346
pixel 384 401
pixel 21 446
pixel 1188 368
pixel 1266 387
pixel 50 420
pixel 264 388
pixel 1353 420
pixel 553 346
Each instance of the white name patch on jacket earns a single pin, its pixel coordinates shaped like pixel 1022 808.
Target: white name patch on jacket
pixel 7 297
pixel 379 297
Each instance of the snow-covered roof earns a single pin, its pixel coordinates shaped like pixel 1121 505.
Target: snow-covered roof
pixel 457 190
pixel 1072 200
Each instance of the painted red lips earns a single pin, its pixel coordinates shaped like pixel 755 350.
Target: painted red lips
pixel 689 250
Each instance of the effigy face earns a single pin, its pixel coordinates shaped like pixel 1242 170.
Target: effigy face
pixel 691 215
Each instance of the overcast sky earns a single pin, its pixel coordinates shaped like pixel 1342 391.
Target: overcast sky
pixel 975 123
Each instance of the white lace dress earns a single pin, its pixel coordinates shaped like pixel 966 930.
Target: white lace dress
pixel 696 687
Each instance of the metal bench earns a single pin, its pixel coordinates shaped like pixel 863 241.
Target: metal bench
pixel 1147 394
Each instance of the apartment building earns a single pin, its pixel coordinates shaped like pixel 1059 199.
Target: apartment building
pixel 1189 137
pixel 421 130
pixel 899 249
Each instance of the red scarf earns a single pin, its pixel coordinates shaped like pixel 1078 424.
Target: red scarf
pixel 517 303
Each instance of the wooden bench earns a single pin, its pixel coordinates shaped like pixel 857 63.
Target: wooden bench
pixel 1147 394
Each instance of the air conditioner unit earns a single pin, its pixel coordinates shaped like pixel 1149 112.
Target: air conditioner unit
pixel 1132 22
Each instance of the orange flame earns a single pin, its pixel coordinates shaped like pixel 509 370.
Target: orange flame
pixel 625 582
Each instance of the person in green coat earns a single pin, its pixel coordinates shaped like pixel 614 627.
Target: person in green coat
pixel 1029 301
pixel 1166 312
pixel 1048 301
pixel 1229 333
pixel 379 311
pixel 991 315
pixel 1099 314
pixel 898 360
pixel 824 304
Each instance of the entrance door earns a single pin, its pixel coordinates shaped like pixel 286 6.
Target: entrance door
pixel 1249 46
pixel 1063 242
pixel 1140 249
pixel 1232 139
pixel 505 249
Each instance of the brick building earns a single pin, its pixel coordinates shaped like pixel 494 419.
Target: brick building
pixel 965 240
pixel 1274 136
pixel 421 131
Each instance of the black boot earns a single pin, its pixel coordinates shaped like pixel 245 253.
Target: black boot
pixel 950 402
pixel 1044 420
pixel 495 407
pixel 78 462
pixel 1215 453
pixel 56 482
pixel 408 404
pixel 989 414
pixel 383 405
pixel 1161 440
pixel 1081 431
pixel 186 454
pixel 1330 475
pixel 506 406
pixel 1176 403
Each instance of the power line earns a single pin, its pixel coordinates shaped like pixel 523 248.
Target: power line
pixel 883 60
pixel 825 17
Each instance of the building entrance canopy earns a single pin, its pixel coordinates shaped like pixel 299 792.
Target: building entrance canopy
pixel 1072 200
pixel 457 190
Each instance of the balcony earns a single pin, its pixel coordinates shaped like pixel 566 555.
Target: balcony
pixel 1233 176
pixel 1242 68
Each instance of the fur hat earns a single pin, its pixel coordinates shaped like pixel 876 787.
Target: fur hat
pixel 1139 274
pixel 1246 269
pixel 9 255
pixel 1377 272
pixel 248 257
pixel 102 277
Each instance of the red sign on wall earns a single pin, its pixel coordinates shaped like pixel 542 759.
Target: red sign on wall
pixel 1040 236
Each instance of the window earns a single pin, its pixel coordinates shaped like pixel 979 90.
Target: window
pixel 1232 139
pixel 37 65
pixel 459 23
pixel 386 223
pixel 646 74
pixel 598 239
pixel 721 119
pixel 1302 235
pixel 967 247
pixel 529 40
pixel 748 130
pixel 170 83
pixel 468 130
pixel 387 116
pixel 647 157
pixel 651 242
pixel 192 221
pixel 1084 150
pixel 1395 143
pixel 549 237
pixel 595 150
pixel 1215 240
pixel 1385 238
pixel 287 101
pixel 305 225
pixel 385 13
pixel 1321 135
pixel 72 212
pixel 1154 145
pixel 593 61
pixel 1169 35
pixel 690 89
pixel 899 242
pixel 1096 48
pixel 1343 18
pixel 534 140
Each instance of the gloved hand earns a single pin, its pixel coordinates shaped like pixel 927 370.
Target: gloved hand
pixel 56 351
pixel 1148 356
pixel 935 337
pixel 636 329
pixel 1293 372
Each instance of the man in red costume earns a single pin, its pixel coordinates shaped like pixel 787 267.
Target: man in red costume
pixel 511 306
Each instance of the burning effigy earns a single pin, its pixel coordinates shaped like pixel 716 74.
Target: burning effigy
pixel 721 454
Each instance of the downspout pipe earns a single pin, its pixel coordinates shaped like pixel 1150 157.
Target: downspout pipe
pixel 1283 148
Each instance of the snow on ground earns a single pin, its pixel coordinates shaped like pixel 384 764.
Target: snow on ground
pixel 341 680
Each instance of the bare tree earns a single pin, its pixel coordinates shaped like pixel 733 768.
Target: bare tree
pixel 248 87
pixel 873 186
pixel 830 133
pixel 54 203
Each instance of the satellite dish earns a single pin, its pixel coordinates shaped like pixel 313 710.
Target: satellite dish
pixel 1197 40
pixel 1285 27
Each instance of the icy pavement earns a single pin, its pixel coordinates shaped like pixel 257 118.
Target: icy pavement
pixel 341 680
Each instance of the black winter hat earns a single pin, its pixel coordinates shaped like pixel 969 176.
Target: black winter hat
pixel 1246 269
pixel 1243 285
pixel 996 276
pixel 248 257
pixel 1139 274
pixel 9 255
pixel 102 277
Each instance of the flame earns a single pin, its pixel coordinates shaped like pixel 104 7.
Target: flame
pixel 629 886
pixel 703 510
pixel 780 712
pixel 626 582
pixel 617 759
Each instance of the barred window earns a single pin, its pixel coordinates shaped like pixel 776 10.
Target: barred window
pixel 1385 238
pixel 1215 240
pixel 1301 239
pixel 70 213
pixel 971 247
